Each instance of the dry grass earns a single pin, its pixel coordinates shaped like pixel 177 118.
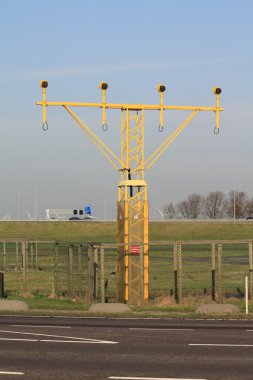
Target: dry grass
pixel 106 231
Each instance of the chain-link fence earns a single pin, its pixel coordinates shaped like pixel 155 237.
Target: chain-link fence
pixel 213 269
pixel 44 268
pixel 205 268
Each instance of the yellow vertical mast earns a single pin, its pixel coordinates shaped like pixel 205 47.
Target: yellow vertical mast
pixel 132 206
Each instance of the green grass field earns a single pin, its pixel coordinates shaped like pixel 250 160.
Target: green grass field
pixel 107 231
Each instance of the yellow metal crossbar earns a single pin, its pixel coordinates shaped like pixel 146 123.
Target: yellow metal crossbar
pixel 132 107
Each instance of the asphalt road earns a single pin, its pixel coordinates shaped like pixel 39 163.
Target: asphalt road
pixel 128 349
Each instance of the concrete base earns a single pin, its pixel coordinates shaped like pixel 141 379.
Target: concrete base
pixel 109 308
pixel 13 305
pixel 213 308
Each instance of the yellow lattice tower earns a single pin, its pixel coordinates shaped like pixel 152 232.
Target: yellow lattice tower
pixel 132 208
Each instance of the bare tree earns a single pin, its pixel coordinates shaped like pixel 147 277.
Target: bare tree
pixel 236 204
pixel 184 209
pixel 191 208
pixel 214 204
pixel 249 208
pixel 169 211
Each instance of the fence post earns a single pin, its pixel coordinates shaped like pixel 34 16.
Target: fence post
pixel 36 255
pixel 31 252
pixel 102 274
pixel 219 272
pixel 178 272
pixel 1 285
pixel 70 270
pixel 79 264
pixel 175 269
pixel 17 254
pixel 250 272
pixel 92 269
pixel 95 273
pixel 55 279
pixel 24 251
pixel 246 295
pixel 91 272
pixel 4 255
pixel 213 271
pixel 27 255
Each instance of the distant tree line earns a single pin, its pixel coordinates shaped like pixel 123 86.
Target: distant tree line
pixel 216 205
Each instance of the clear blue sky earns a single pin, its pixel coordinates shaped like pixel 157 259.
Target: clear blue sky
pixel 189 45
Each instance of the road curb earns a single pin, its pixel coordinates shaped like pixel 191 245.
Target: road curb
pixel 217 308
pixel 12 305
pixel 109 308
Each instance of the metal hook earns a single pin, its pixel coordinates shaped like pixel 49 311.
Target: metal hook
pixel 160 128
pixel 45 126
pixel 105 127
pixel 216 130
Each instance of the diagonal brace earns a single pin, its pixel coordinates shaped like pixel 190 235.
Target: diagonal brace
pixel 104 149
pixel 159 151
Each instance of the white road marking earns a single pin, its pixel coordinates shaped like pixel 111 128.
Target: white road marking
pixel 11 373
pixel 148 378
pixel 75 341
pixel 249 330
pixel 220 345
pixel 44 326
pixel 157 329
pixel 69 317
pixel 53 341
pixel 20 340
pixel 59 336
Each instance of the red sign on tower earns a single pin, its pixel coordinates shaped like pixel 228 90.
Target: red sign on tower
pixel 135 249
